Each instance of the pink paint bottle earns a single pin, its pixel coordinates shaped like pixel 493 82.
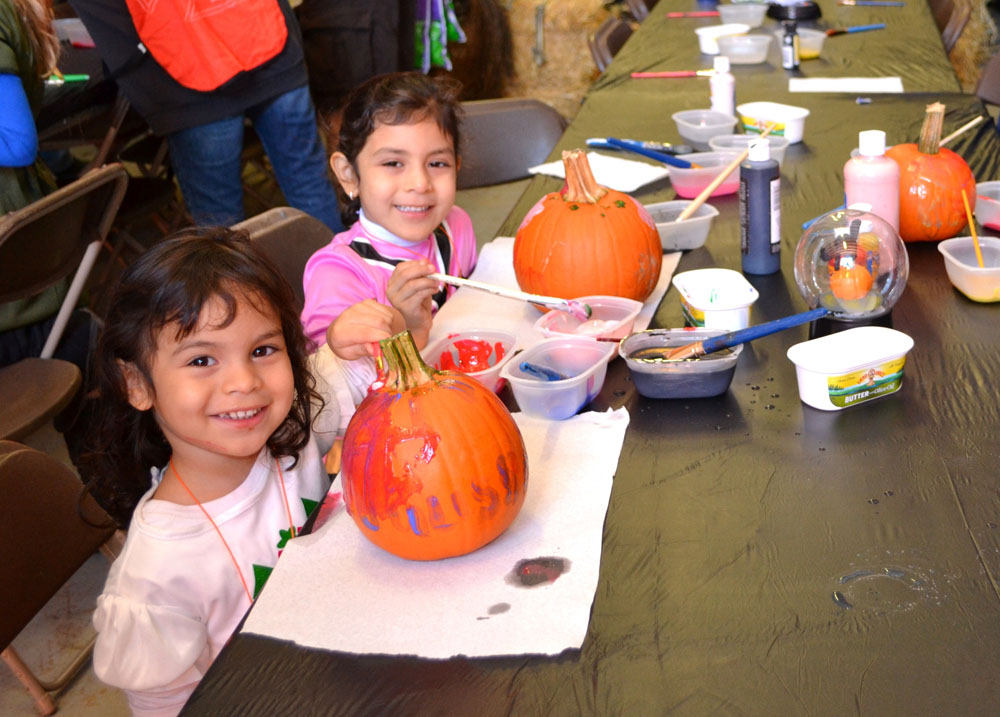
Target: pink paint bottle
pixel 872 178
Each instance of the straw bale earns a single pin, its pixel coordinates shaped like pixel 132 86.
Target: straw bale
pixel 975 45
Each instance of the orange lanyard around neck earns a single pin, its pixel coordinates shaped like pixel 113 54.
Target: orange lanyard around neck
pixel 225 543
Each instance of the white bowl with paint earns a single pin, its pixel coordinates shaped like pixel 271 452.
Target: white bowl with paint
pixel 478 353
pixel 708 36
pixel 715 298
pixel 611 317
pixel 850 367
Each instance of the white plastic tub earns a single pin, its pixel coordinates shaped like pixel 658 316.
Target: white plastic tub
pixel 708 36
pixel 611 317
pixel 688 234
pixel 739 142
pixel 697 127
pixel 988 204
pixel 583 361
pixel 748 13
pixel 688 183
pixel 470 348
pixel 715 298
pixel 745 49
pixel 789 121
pixel 979 283
pixel 850 367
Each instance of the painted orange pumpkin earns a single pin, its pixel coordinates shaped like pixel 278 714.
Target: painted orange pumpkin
pixel 433 464
pixel 931 180
pixel 850 283
pixel 587 240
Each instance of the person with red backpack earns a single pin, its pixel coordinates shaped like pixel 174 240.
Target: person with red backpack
pixel 195 70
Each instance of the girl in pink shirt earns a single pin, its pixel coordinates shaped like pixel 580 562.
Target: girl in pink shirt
pixel 397 160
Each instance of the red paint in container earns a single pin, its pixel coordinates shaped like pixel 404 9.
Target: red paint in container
pixel 473 355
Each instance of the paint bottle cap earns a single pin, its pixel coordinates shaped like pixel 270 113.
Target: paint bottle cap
pixel 720 63
pixel 760 150
pixel 871 143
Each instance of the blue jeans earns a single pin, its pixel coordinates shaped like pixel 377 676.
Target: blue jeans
pixel 207 160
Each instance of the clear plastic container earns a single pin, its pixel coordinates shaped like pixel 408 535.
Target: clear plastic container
pixel 748 13
pixel 978 283
pixel 469 349
pixel 988 204
pixel 611 317
pixel 696 127
pixel 654 377
pixel 688 234
pixel 789 121
pixel 850 367
pixel 715 298
pixel 810 42
pixel 584 362
pixel 739 142
pixel 708 36
pixel 688 183
pixel 745 49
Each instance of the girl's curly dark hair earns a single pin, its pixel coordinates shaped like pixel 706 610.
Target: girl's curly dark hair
pixel 170 284
pixel 395 98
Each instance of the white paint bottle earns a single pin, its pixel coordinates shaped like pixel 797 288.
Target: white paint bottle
pixel 873 178
pixel 722 86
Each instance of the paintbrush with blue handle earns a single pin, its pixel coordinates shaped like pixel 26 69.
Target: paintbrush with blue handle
pixel 652 154
pixel 734 338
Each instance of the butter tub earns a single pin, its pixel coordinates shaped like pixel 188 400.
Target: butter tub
pixel 850 367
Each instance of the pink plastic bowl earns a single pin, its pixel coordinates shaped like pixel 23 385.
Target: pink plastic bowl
pixel 688 183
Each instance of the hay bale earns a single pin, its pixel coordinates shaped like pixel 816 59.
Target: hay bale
pixel 975 46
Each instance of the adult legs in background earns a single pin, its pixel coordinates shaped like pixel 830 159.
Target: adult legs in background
pixel 207 160
pixel 287 129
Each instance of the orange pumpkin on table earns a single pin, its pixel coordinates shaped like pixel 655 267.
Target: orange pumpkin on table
pixel 433 465
pixel 587 240
pixel 931 180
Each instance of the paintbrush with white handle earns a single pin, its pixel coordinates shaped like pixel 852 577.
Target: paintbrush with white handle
pixel 576 308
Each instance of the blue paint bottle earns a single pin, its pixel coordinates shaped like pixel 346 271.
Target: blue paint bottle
pixel 760 211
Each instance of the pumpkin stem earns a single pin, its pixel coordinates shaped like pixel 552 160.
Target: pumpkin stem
pixel 580 183
pixel 404 369
pixel 930 133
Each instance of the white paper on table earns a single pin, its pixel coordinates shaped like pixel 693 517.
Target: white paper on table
pixel 846 84
pixel 335 590
pixel 625 175
pixel 476 309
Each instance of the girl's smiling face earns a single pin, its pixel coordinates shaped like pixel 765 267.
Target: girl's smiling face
pixel 405 177
pixel 221 391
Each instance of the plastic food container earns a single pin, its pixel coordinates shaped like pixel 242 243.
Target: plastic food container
pixel 708 375
pixel 789 121
pixel 715 298
pixel 988 204
pixel 696 127
pixel 745 49
pixel 688 183
pixel 611 317
pixel 964 272
pixel 850 367
pixel 739 142
pixel 583 361
pixel 470 349
pixel 748 13
pixel 688 234
pixel 810 42
pixel 708 36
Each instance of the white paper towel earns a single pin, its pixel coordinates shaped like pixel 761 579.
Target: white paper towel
pixel 335 590
pixel 625 175
pixel 475 309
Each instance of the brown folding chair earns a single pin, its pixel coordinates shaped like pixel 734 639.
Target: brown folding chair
pixel 639 9
pixel 608 40
pixel 988 88
pixel 46 535
pixel 957 21
pixel 288 237
pixel 40 245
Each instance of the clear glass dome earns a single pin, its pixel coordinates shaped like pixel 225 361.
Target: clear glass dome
pixel 853 263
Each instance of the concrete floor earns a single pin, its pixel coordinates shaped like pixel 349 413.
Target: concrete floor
pixel 53 638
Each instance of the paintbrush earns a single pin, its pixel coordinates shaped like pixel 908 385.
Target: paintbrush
pixel 670 74
pixel 695 13
pixel 972 229
pixel 734 338
pixel 872 3
pixel 713 185
pixel 857 28
pixel 652 154
pixel 576 308
pixel 961 130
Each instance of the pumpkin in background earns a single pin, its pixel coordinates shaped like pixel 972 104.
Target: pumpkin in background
pixel 433 465
pixel 931 180
pixel 587 240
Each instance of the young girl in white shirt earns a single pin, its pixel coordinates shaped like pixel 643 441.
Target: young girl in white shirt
pixel 202 374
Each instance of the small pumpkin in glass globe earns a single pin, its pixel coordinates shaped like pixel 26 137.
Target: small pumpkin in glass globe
pixel 433 465
pixel 587 240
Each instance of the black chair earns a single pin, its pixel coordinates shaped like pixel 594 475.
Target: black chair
pixel 46 535
pixel 501 139
pixel 289 237
pixel 608 40
pixel 40 245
